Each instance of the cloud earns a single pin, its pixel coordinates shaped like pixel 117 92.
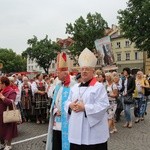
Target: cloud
pixel 21 19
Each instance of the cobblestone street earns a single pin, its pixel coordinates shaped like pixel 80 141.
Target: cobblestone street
pixel 136 138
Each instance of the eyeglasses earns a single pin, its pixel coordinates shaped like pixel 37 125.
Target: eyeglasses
pixel 86 69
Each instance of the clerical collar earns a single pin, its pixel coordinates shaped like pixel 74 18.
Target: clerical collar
pixel 85 83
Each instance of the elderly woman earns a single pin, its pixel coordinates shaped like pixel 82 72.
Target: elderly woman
pixel 26 98
pixel 7 130
pixel 118 82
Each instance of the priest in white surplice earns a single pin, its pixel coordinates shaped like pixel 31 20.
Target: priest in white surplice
pixel 86 107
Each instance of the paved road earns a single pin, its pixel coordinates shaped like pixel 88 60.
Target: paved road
pixel 27 131
pixel 137 138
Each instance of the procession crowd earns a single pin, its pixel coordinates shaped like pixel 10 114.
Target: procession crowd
pixel 35 98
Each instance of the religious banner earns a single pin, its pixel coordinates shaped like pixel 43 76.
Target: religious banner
pixel 103 46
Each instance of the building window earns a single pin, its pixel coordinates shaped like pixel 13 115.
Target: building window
pixel 136 55
pixel 118 57
pixel 29 67
pixel 127 43
pixel 118 44
pixel 127 56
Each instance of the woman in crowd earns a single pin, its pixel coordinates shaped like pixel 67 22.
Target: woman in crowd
pixel 102 79
pixel 140 101
pixel 18 96
pixel 118 82
pixel 40 98
pixel 26 98
pixel 7 130
pixel 112 91
pixel 128 86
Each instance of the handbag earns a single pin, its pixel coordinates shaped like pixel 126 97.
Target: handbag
pixel 147 91
pixel 128 99
pixel 119 103
pixel 10 116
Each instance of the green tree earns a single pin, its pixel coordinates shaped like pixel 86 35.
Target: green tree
pixel 43 51
pixel 135 23
pixel 11 61
pixel 86 31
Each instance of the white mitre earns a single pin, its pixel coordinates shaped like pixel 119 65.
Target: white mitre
pixel 87 58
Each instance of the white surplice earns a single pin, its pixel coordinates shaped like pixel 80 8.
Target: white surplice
pixel 91 128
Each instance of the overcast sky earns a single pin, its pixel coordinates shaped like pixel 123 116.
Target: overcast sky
pixel 21 19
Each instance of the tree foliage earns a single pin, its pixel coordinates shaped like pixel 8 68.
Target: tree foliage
pixel 86 31
pixel 42 51
pixel 11 61
pixel 135 23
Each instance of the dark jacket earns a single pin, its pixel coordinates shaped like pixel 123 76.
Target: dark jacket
pixel 130 85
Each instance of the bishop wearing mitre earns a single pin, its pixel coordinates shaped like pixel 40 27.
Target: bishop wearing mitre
pixel 86 107
pixel 57 138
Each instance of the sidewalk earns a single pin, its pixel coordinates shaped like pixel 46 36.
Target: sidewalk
pixel 31 136
pixel 136 138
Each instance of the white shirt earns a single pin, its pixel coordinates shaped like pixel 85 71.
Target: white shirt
pixel 110 89
pixel 92 129
pixel 34 86
pixel 125 86
pixel 58 102
pixel 57 106
pixel 52 88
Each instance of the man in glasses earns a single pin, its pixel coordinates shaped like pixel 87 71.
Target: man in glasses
pixel 86 107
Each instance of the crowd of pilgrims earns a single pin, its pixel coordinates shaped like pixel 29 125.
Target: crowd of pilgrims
pixel 34 96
